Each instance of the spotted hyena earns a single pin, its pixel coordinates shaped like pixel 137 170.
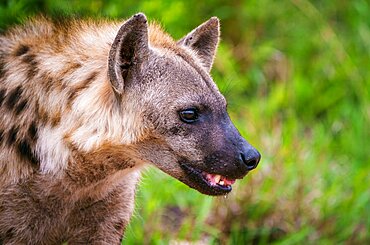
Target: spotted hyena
pixel 85 104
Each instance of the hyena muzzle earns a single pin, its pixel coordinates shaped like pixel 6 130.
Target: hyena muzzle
pixel 85 104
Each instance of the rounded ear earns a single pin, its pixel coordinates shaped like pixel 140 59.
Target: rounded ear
pixel 204 40
pixel 129 48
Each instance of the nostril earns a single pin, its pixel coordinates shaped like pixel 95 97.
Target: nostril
pixel 251 160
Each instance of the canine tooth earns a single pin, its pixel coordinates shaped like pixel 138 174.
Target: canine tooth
pixel 217 178
pixel 221 182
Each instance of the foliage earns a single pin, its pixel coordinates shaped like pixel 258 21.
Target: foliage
pixel 296 75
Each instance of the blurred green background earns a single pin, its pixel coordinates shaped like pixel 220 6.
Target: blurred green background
pixel 297 77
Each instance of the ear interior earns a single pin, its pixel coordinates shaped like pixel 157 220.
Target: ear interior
pixel 204 41
pixel 128 49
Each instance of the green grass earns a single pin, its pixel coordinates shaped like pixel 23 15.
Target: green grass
pixel 297 77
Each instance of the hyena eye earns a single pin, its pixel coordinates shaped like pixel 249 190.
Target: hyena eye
pixel 189 115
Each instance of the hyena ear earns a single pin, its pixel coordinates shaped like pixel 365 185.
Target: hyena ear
pixel 204 40
pixel 129 48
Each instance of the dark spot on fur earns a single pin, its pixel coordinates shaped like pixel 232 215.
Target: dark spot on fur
pixel 44 117
pixel 2 68
pixel 13 97
pixel 119 225
pixel 71 97
pixel 75 66
pixel 9 233
pixel 12 135
pixel 20 107
pixel 2 96
pixel 42 114
pixel 26 153
pixel 90 78
pixel 47 81
pixel 32 131
pixel 5 237
pixel 1 135
pixel 69 68
pixel 55 119
pixel 48 84
pixel 83 85
pixel 30 59
pixel 174 130
pixel 22 49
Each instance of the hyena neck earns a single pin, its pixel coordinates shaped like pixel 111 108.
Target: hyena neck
pixel 55 95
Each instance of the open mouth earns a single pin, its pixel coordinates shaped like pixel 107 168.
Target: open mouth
pixel 211 184
pixel 216 179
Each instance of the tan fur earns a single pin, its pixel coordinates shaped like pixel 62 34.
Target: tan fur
pixel 66 71
pixel 72 76
pixel 85 105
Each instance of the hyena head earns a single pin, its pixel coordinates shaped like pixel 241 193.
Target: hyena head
pixel 189 133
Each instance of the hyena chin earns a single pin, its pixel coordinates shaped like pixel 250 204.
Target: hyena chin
pixel 86 104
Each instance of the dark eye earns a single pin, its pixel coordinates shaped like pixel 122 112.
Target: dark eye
pixel 189 115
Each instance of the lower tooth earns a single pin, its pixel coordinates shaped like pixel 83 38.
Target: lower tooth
pixel 221 182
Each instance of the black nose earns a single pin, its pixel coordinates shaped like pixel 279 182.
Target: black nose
pixel 251 158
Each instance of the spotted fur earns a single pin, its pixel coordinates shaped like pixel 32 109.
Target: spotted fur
pixel 85 105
